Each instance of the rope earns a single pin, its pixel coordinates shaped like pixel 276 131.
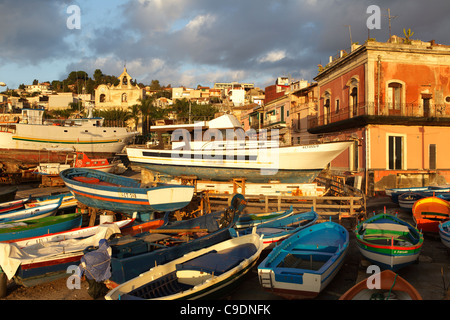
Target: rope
pixel 380 296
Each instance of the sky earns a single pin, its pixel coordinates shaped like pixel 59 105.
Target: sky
pixel 197 42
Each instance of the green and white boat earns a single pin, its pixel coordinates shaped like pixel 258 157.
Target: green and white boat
pixel 388 241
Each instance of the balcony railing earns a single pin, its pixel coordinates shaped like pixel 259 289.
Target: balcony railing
pixel 386 109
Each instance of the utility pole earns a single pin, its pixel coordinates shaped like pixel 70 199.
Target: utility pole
pixel 390 18
pixel 350 32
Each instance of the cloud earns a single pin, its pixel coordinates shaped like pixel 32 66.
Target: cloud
pixel 194 42
pixel 33 31
pixel 273 56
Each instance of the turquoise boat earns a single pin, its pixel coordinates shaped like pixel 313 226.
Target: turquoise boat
pixel 306 262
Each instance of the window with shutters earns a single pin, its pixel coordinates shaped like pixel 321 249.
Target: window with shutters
pixel 432 157
pixel 396 152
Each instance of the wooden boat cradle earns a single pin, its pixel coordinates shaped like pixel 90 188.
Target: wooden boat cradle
pixel 211 264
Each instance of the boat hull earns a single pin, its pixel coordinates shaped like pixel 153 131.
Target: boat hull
pixel 429 212
pixel 397 243
pixel 254 219
pixel 306 262
pixel 45 225
pixel 31 213
pixel 444 233
pixel 188 267
pixel 391 286
pixel 32 143
pixel 124 194
pixel 36 272
pixel 296 164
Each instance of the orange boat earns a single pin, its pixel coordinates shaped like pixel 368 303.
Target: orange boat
pixel 429 212
pixel 391 287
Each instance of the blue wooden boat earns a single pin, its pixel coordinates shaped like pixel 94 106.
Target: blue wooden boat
pixel 132 256
pixel 306 262
pixel 31 213
pixel 68 201
pixel 444 233
pixel 197 274
pixel 406 200
pixel 14 230
pixel 247 220
pixel 427 191
pixel 13 205
pixel 121 194
pixel 444 195
pixel 276 231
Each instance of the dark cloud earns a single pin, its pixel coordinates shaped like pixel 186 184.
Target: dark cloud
pixel 202 41
pixel 32 31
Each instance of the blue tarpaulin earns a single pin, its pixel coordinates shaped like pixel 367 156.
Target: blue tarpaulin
pixel 96 264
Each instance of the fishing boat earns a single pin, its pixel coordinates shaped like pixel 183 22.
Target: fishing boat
pixel 306 262
pixel 31 213
pixel 427 191
pixel 72 233
pixel 132 256
pixel 218 150
pixel 68 201
pixel 32 262
pixel 388 241
pixel 276 231
pixel 390 286
pixel 36 227
pixel 80 160
pixel 121 194
pixel 444 233
pixel 198 274
pixel 429 212
pixel 13 205
pixel 406 200
pixel 34 140
pixel 247 220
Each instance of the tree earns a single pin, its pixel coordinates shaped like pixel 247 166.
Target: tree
pixel 98 76
pixel 135 113
pixel 155 85
pixel 145 105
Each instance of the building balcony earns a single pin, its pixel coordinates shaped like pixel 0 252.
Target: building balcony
pixel 371 113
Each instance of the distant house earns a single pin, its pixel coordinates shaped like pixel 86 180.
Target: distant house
pixel 393 100
pixel 60 100
pixel 44 88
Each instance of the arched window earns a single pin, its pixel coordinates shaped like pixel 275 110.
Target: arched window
pixel 394 97
pixel 102 97
pixel 326 96
pixel 125 80
pixel 124 97
pixel 326 111
pixel 353 88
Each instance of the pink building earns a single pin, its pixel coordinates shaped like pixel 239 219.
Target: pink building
pixel 393 100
